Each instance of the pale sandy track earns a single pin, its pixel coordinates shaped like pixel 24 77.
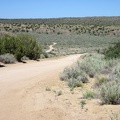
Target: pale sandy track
pixel 22 90
pixel 23 94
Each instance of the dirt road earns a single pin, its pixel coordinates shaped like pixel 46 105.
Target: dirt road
pixel 33 91
pixel 24 93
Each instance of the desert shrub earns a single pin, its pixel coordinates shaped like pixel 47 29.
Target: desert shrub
pixel 20 45
pixel 109 65
pixel 100 81
pixel 2 49
pixel 74 76
pixel 7 58
pixel 89 65
pixel 113 52
pixel 109 93
pixel 32 47
pixel 11 45
pixel 115 74
pixel 92 64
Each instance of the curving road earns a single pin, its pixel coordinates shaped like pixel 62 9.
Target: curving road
pixel 22 90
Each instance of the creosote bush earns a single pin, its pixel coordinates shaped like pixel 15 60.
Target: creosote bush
pixel 20 45
pixel 113 52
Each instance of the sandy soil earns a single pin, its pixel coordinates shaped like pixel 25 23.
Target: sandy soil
pixel 33 91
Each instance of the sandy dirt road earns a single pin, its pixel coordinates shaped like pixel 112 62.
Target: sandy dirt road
pixel 23 94
pixel 33 91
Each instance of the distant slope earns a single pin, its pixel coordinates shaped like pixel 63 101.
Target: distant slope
pixel 98 26
pixel 105 21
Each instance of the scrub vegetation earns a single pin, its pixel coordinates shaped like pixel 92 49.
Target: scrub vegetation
pixel 19 45
pixel 105 70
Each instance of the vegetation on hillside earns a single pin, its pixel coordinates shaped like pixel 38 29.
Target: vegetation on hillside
pixel 98 26
pixel 73 44
pixel 106 21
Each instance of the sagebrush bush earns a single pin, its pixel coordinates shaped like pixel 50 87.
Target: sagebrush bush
pixel 74 76
pixel 109 93
pixel 92 64
pixel 115 74
pixel 100 81
pixel 88 65
pixel 109 65
pixel 7 58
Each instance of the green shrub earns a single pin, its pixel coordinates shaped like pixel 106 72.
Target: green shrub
pixel 115 74
pixel 2 49
pixel 113 52
pixel 32 47
pixel 109 93
pixel 109 65
pixel 7 58
pixel 74 76
pixel 20 45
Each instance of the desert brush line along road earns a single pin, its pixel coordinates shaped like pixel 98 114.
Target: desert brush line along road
pixel 23 90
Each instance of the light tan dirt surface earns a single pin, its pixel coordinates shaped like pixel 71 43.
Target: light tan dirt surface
pixel 33 91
